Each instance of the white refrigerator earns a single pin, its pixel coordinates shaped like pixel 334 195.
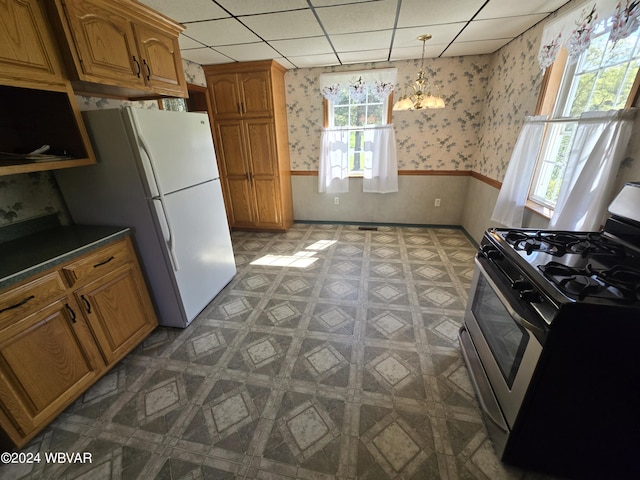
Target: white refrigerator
pixel 157 173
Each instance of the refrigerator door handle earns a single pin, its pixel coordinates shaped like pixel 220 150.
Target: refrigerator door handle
pixel 160 198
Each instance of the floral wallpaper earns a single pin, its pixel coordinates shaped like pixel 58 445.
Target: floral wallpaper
pixel 30 195
pixel 513 86
pixel 426 140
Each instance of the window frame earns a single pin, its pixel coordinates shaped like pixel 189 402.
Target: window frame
pixel 546 104
pixel 328 105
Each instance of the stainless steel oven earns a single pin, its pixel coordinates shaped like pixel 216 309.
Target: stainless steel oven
pixel 550 339
pixel 502 346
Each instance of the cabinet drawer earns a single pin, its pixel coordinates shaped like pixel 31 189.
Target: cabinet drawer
pixel 97 263
pixel 20 301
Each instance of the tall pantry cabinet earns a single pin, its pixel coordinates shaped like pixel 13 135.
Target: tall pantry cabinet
pixel 251 140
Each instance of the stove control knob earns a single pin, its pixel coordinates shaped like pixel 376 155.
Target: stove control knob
pixel 530 296
pixel 521 284
pixel 489 251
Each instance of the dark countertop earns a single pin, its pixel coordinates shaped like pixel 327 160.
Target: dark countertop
pixel 29 255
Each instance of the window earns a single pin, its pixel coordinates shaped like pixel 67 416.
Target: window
pixel 358 115
pixel 358 139
pixel 602 79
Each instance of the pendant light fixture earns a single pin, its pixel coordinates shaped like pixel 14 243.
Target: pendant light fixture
pixel 418 95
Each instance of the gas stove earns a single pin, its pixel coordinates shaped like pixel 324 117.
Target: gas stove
pixel 550 339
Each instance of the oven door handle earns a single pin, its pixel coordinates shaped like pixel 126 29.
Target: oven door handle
pixel 480 381
pixel 526 324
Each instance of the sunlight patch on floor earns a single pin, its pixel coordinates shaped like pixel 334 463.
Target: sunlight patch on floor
pixel 301 259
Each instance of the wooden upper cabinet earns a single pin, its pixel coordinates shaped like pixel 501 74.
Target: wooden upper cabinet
pixel 105 43
pixel 161 60
pixel 236 95
pixel 119 47
pixel 27 49
pixel 256 93
pixel 225 95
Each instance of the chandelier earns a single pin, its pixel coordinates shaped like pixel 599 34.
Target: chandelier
pixel 417 95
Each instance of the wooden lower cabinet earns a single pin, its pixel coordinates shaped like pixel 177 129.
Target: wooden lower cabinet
pixel 46 361
pixel 118 310
pixel 62 330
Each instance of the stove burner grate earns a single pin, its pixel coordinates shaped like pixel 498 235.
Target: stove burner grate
pixel 562 243
pixel 618 283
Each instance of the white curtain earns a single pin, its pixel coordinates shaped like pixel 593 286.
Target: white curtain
pixel 598 148
pixel 509 209
pixel 333 176
pixel 380 162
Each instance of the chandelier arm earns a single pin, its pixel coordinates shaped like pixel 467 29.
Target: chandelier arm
pixel 422 96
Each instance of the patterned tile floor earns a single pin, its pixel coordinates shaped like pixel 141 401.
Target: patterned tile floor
pixel 332 354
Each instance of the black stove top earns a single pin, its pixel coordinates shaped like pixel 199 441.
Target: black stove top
pixel 580 266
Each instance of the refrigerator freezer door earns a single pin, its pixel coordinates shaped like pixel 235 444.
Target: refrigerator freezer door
pixel 204 255
pixel 178 145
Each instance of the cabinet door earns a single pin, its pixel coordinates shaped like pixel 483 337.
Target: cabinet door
pixel 118 310
pixel 261 148
pixel 230 149
pixel 256 93
pixel 105 43
pixel 47 359
pixel 161 61
pixel 27 51
pixel 225 96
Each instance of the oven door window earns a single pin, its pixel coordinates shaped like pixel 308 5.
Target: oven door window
pixel 506 338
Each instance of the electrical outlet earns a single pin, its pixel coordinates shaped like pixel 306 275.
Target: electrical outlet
pixel 336 200
pixel 436 203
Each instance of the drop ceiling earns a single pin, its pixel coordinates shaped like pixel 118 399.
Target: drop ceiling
pixel 314 33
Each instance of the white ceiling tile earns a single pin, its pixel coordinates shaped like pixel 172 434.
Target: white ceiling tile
pixel 364 56
pixel 188 43
pixel 442 35
pixel 410 53
pixel 511 8
pixel 248 52
pixel 333 3
pixel 414 13
pixel 359 30
pixel 253 7
pixel 348 42
pixel 187 11
pixel 358 17
pixel 302 46
pixel 498 28
pixel 475 48
pixel 284 25
pixel 205 56
pixel 285 63
pixel 220 32
pixel 314 60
